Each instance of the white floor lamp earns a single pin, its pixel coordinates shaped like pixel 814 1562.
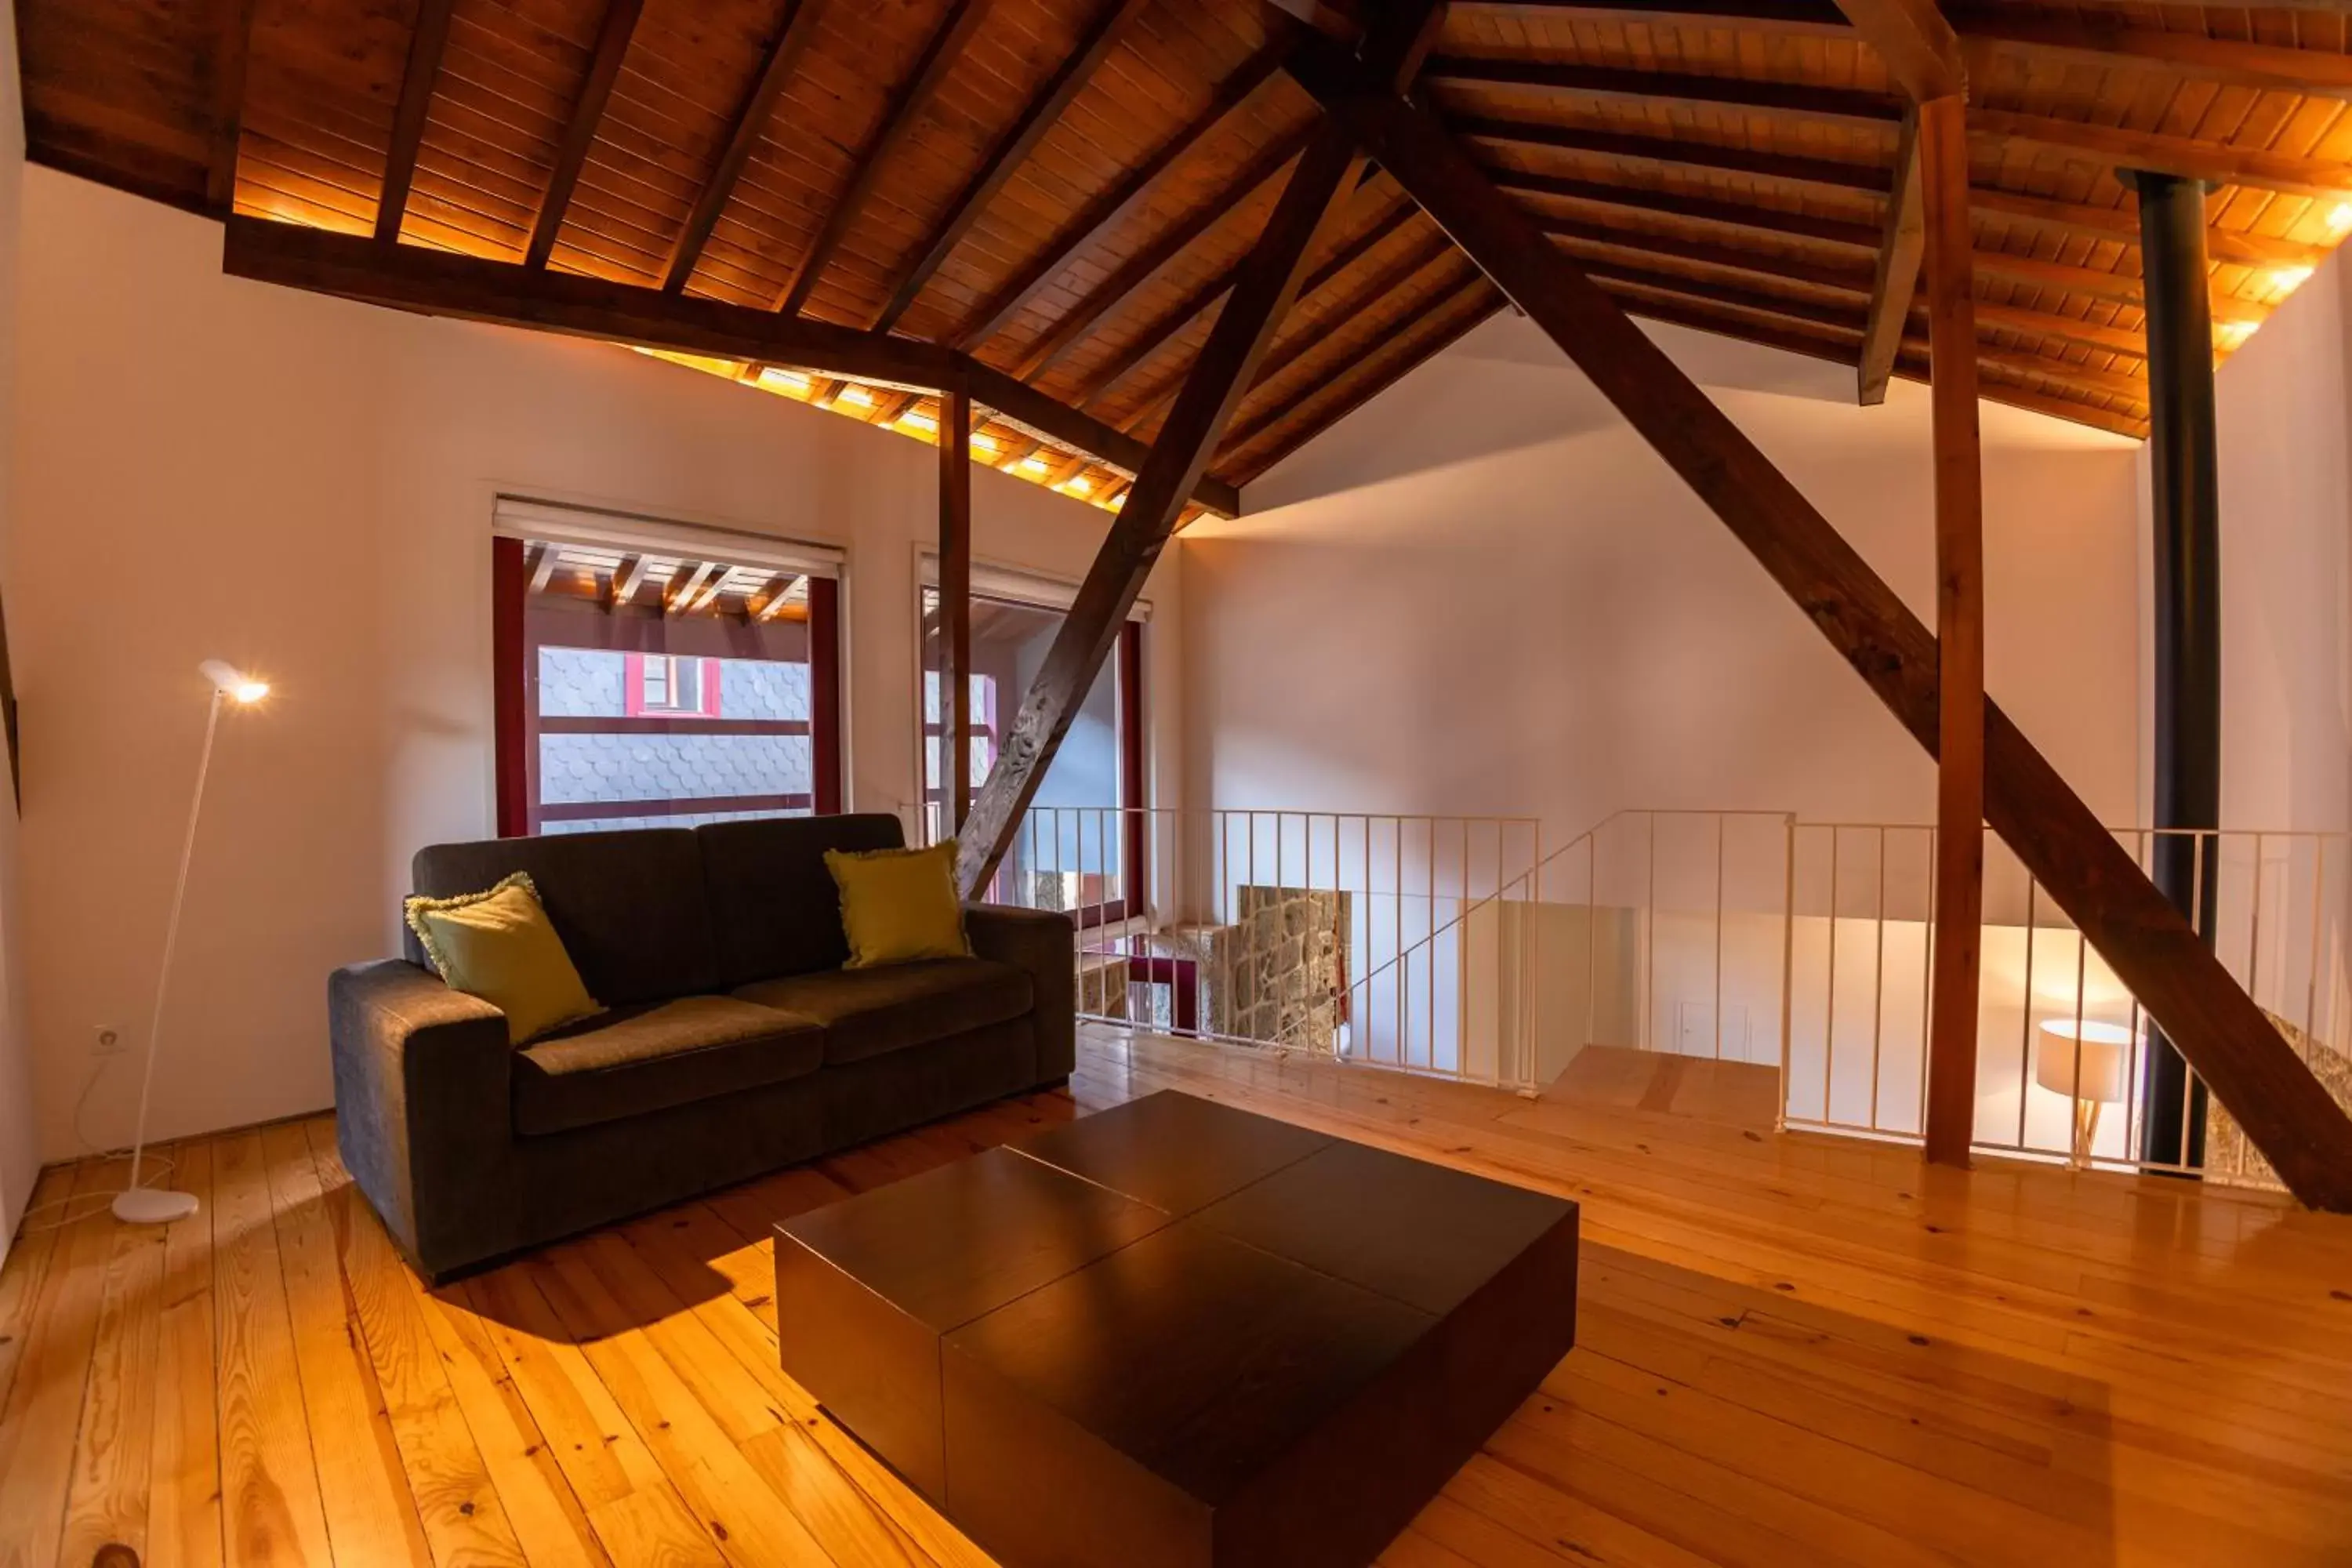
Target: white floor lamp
pixel 155 1205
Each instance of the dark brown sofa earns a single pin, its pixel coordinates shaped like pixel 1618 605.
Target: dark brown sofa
pixel 734 1041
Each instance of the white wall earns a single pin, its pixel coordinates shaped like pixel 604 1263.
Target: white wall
pixel 2284 423
pixel 1482 594
pixel 304 487
pixel 19 1144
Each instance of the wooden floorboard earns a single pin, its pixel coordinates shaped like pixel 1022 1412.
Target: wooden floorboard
pixel 1791 1350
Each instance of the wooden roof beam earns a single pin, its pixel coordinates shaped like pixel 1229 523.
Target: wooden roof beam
pixel 1900 255
pixel 1289 350
pixel 580 132
pixel 2119 148
pixel 1156 336
pixel 426 45
pixel 794 34
pixel 1919 46
pixel 1451 302
pixel 232 49
pixel 904 108
pixel 1814 104
pixel 1044 109
pixel 443 283
pixel 1113 204
pixel 1145 264
pixel 2286 1113
pixel 1459 314
pixel 1704 209
pixel 1783 167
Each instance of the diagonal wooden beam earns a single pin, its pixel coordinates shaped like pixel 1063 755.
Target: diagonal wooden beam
pixel 1156 336
pixel 426 45
pixel 796 29
pixel 1114 204
pixel 1918 45
pixel 1899 255
pixel 1145 264
pixel 899 117
pixel 1044 108
pixel 1150 512
pixel 2304 1133
pixel 443 283
pixel 580 132
pixel 232 49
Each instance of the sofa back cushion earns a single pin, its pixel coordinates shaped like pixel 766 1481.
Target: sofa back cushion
pixel 629 905
pixel 775 906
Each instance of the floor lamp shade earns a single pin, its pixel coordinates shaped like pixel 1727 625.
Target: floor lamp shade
pixel 156 1205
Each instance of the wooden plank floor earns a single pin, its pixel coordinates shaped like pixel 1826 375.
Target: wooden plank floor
pixel 1792 1350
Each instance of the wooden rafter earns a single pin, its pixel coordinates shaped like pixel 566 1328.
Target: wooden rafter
pixel 612 39
pixel 764 605
pixel 795 31
pixel 1900 252
pixel 232 50
pixel 2288 1116
pixel 2118 148
pixel 1704 209
pixel 1289 349
pixel 1756 96
pixel 443 283
pixel 1164 248
pixel 1164 328
pixel 1141 529
pixel 1395 360
pixel 1465 297
pixel 900 116
pixel 686 581
pixel 628 576
pixel 425 44
pixel 1784 168
pixel 1110 24
pixel 542 566
pixel 1106 211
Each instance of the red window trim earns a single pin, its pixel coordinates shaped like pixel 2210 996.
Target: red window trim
pixel 516 726
pixel 633 689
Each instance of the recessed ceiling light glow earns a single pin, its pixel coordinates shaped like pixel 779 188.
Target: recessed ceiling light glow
pixel 1033 465
pixel 856 396
pixel 2340 217
pixel 922 422
pixel 1081 484
pixel 981 442
pixel 2287 280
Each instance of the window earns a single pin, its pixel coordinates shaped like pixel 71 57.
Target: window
pixel 644 688
pixel 1081 846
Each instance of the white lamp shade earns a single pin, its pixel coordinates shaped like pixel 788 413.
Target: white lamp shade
pixel 2100 1052
pixel 232 682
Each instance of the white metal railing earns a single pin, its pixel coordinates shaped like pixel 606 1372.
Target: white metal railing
pixel 1463 947
pixel 2069 1066
pixel 1457 946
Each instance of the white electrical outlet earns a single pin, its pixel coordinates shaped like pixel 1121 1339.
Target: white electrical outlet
pixel 109 1041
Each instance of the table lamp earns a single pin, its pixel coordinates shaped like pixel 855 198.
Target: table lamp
pixel 2086 1062
pixel 136 1205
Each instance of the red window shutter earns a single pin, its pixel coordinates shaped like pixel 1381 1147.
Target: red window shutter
pixel 633 684
pixel 711 689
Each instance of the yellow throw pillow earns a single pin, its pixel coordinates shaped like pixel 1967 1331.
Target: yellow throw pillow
pixel 899 905
pixel 500 946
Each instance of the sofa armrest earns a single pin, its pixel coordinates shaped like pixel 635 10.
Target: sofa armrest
pixel 1045 944
pixel 422 1091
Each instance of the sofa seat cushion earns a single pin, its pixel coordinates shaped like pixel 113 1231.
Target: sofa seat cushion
pixel 638 1059
pixel 868 1012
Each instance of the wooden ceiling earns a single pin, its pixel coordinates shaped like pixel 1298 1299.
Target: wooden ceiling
pixel 1064 189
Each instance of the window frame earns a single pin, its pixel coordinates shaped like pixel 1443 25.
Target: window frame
pixel 518 725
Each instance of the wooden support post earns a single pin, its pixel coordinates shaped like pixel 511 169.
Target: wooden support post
pixel 955 604
pixel 1943 168
pixel 1244 330
pixel 2289 1117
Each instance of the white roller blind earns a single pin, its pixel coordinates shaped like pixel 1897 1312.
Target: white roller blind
pixel 518 517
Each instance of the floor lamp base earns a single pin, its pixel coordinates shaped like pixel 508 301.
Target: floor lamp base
pixel 153 1206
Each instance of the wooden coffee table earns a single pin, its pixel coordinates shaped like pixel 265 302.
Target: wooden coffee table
pixel 1177 1333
